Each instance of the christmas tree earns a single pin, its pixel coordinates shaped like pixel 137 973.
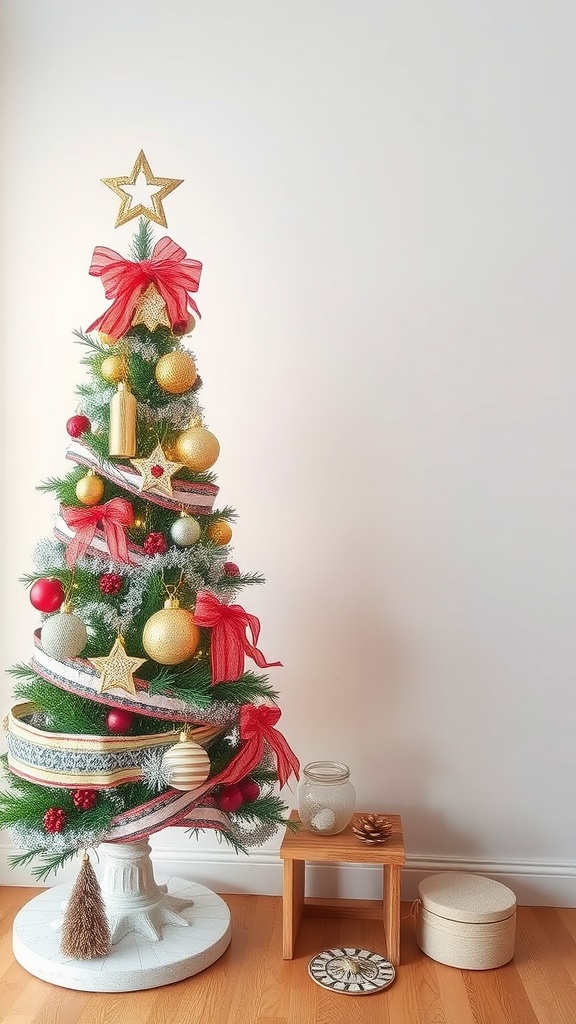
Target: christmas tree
pixel 138 709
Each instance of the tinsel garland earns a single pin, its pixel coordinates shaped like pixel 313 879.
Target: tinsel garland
pixel 201 568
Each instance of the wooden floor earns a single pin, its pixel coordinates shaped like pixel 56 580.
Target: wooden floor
pixel 252 984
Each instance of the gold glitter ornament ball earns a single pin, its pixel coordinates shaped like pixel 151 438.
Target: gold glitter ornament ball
pixel 113 369
pixel 171 636
pixel 220 532
pixel 197 448
pixel 90 488
pixel 107 339
pixel 187 764
pixel 175 372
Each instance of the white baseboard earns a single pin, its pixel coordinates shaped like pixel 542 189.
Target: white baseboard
pixel 535 882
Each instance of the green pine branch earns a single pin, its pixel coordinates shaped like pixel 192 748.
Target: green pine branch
pixel 49 862
pixel 191 685
pixel 89 342
pixel 65 712
pixel 268 809
pixel 223 836
pixel 24 671
pixel 249 688
pixel 244 579
pixel 141 247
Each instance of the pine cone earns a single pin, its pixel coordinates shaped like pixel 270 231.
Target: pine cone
pixel 372 828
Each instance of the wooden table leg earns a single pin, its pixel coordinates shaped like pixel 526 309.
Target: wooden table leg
pixel 292 904
pixel 391 893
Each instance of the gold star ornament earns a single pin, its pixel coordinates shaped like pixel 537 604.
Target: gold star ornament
pixel 151 310
pixel 127 187
pixel 157 472
pixel 117 669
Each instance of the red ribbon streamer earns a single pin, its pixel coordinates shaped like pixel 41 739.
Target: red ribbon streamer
pixel 115 515
pixel 257 730
pixel 229 643
pixel 168 269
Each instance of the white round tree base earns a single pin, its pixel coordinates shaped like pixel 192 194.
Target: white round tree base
pixel 163 933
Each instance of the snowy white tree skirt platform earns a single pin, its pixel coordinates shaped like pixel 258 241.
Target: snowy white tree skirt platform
pixel 164 933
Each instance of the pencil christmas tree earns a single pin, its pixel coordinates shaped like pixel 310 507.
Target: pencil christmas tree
pixel 144 704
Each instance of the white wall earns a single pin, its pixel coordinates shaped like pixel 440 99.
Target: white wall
pixel 382 194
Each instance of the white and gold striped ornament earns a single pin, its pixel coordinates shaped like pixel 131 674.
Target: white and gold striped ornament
pixel 187 764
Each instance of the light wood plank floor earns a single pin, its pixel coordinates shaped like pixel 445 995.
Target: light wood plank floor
pixel 252 984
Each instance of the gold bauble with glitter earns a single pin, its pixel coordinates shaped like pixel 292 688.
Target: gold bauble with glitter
pixel 220 532
pixel 113 369
pixel 171 636
pixel 197 448
pixel 90 488
pixel 107 339
pixel 175 372
pixel 187 764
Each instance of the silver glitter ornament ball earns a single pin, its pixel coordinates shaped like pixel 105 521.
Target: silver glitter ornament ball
pixel 185 531
pixel 63 635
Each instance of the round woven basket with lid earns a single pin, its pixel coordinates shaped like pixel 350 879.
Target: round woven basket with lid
pixel 466 920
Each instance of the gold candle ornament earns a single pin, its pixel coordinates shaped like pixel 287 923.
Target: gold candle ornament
pixel 122 439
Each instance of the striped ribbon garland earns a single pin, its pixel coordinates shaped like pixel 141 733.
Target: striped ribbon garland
pixel 170 809
pixel 78 676
pixel 103 762
pixel 90 762
pixel 195 498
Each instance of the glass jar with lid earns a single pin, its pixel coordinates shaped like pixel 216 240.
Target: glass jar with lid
pixel 326 797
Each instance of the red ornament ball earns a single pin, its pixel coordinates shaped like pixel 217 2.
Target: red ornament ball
pixel 119 721
pixel 231 569
pixel 47 595
pixel 155 544
pixel 54 820
pixel 84 799
pixel 78 425
pixel 230 798
pixel 249 789
pixel 110 583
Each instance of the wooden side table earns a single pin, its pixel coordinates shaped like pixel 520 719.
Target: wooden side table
pixel 302 846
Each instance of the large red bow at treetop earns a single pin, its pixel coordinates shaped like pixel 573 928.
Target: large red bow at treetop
pixel 229 643
pixel 172 274
pixel 257 730
pixel 115 515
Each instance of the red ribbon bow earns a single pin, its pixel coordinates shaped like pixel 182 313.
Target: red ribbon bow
pixel 168 269
pixel 114 515
pixel 229 643
pixel 257 730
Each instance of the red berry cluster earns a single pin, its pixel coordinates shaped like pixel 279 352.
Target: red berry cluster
pixel 84 799
pixel 110 583
pixel 231 569
pixel 230 798
pixel 155 544
pixel 54 820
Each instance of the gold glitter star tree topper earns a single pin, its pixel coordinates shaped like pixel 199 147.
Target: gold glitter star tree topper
pixel 127 186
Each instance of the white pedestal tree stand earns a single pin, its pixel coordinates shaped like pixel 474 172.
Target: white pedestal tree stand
pixel 160 933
